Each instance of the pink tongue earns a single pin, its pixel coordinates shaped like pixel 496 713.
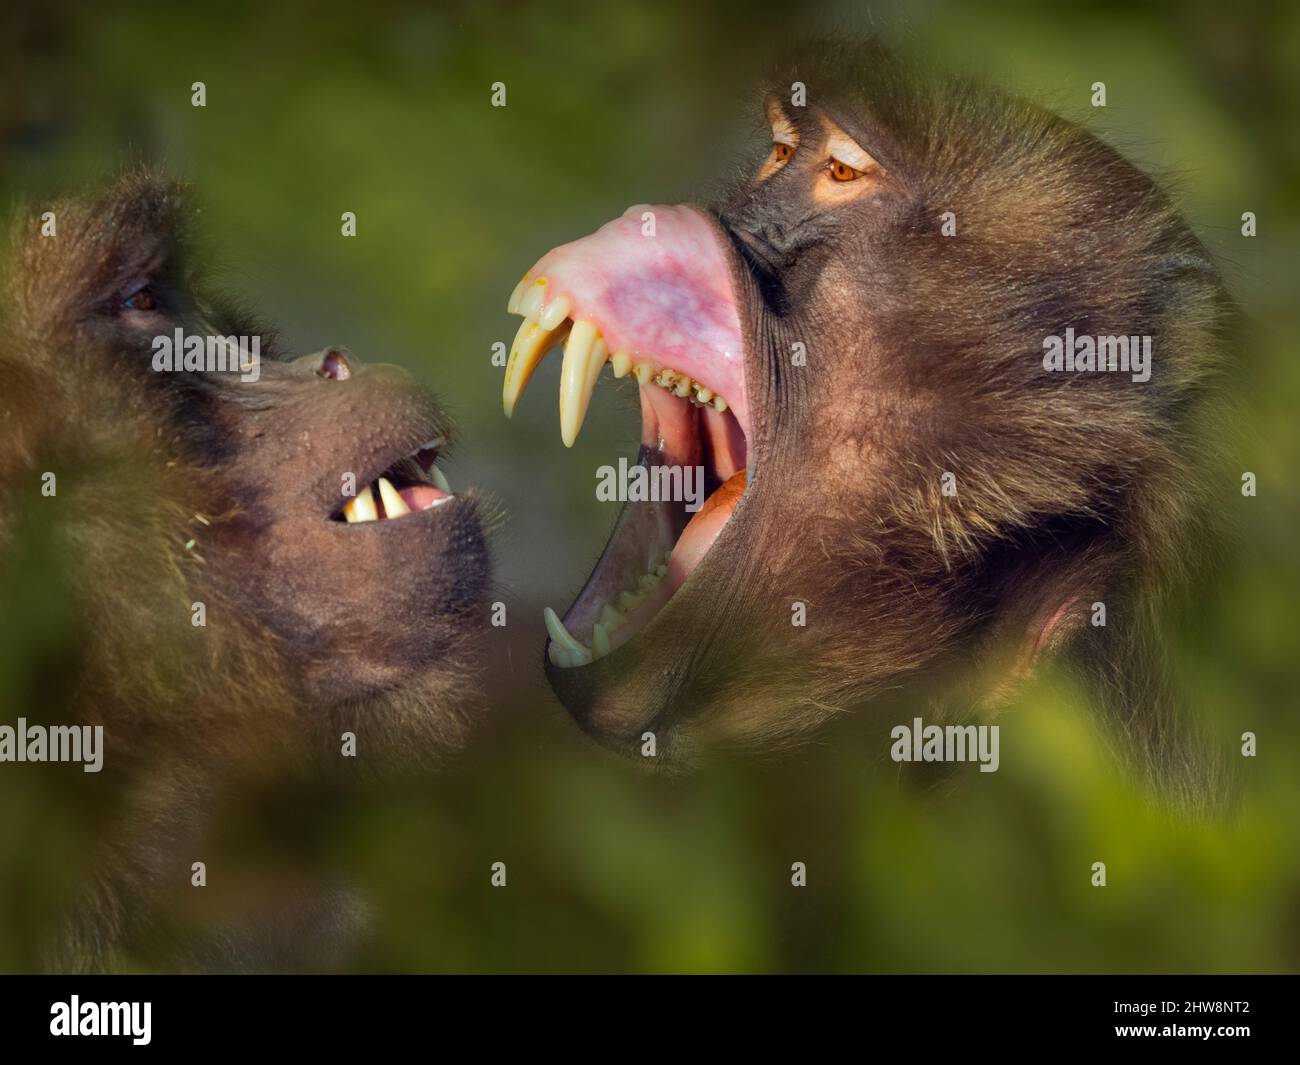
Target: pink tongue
pixel 698 536
pixel 656 282
pixel 421 496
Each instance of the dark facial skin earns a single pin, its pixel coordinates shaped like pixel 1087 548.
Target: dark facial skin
pixel 185 490
pixel 924 354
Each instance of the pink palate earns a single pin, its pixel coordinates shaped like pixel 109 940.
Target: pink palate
pixel 665 298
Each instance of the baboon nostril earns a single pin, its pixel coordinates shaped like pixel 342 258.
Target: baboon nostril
pixel 334 366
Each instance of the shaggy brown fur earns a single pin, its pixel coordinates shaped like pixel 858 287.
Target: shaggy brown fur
pixel 183 488
pixel 924 358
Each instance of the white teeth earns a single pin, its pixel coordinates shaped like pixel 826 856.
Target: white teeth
pixel 512 305
pixel 530 303
pixel 531 344
pixel 362 508
pixel 572 653
pixel 584 355
pixel 566 651
pixel 554 313
pixel 394 505
pixel 439 481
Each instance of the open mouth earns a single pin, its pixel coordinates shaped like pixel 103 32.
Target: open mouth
pixel 411 484
pixel 649 293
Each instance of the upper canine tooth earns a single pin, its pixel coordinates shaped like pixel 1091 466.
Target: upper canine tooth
pixel 622 363
pixel 554 313
pixel 576 653
pixel 530 303
pixel 531 344
pixel 584 355
pixel 512 305
pixel 439 480
pixel 394 505
pixel 362 508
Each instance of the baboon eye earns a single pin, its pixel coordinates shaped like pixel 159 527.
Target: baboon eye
pixel 843 172
pixel 141 299
pixel 782 151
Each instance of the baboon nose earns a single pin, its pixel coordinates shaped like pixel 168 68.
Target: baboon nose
pixel 334 365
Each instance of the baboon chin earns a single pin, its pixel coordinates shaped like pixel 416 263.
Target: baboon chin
pixel 856 343
pixel 260 550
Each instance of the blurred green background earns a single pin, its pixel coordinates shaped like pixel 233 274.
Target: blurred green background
pixel 383 109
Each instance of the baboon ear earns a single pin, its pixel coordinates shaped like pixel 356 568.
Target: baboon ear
pixel 1046 605
pixel 1053 629
pixel 1025 641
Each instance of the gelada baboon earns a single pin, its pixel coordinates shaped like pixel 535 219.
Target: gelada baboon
pixel 257 551
pixel 912 483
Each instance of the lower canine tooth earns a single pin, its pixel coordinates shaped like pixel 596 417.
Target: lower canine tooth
pixel 394 505
pixel 584 355
pixel 362 508
pixel 563 639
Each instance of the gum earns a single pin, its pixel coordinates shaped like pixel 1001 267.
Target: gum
pixel 665 298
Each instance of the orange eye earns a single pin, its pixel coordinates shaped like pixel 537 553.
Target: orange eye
pixel 843 172
pixel 781 151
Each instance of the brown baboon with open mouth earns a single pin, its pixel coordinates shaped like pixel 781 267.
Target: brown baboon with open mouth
pixel 951 366
pixel 258 553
